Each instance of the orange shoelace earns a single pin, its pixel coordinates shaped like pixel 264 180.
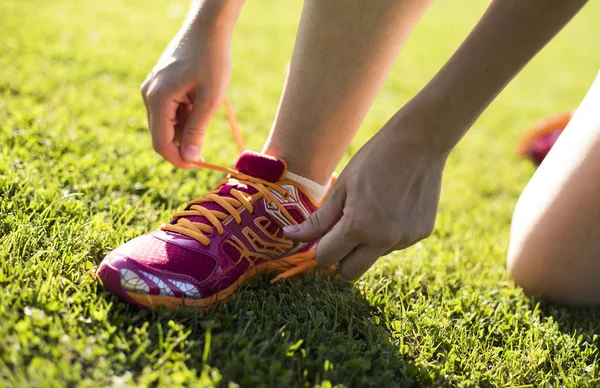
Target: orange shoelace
pixel 233 205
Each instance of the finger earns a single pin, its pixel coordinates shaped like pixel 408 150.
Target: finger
pixel 358 261
pixel 183 112
pixel 315 226
pixel 194 129
pixel 335 245
pixel 161 113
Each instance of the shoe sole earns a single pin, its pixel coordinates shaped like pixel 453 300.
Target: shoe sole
pixel 111 279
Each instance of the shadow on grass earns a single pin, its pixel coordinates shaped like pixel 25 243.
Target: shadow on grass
pixel 298 332
pixel 571 321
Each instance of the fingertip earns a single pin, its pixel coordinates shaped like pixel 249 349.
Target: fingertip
pixel 344 272
pixel 172 155
pixel 358 262
pixel 319 259
pixel 304 232
pixel 292 229
pixel 191 153
pixel 294 232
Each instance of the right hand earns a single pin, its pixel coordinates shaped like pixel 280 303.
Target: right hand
pixel 385 199
pixel 183 92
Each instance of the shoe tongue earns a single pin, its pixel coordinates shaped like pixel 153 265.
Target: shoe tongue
pixel 265 167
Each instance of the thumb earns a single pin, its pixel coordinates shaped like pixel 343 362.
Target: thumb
pixel 194 130
pixel 315 226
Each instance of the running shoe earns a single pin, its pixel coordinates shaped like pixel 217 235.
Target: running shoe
pixel 218 242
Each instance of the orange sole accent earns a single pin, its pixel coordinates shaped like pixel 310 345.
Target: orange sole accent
pixel 203 304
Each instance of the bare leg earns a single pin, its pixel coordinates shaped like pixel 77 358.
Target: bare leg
pixel 343 53
pixel 555 237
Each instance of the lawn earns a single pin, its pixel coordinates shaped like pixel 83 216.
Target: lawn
pixel 78 177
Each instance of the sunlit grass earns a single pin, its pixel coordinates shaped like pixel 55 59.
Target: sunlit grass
pixel 78 177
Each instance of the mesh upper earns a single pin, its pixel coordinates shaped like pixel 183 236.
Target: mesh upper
pixel 155 253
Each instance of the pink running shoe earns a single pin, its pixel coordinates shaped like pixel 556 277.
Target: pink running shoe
pixel 219 242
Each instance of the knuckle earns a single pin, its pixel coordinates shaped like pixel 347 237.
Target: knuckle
pixel 411 238
pixel 402 244
pixel 146 84
pixel 144 88
pixel 415 236
pixel 429 229
pixel 155 93
pixel 316 221
pixel 207 99
pixel 424 232
pixel 404 240
pixel 404 231
pixel 190 132
pixel 382 235
pixel 153 96
pixel 386 240
pixel 356 231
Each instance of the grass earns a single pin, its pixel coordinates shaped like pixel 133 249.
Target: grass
pixel 78 177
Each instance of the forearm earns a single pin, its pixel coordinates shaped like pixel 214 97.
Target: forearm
pixel 508 35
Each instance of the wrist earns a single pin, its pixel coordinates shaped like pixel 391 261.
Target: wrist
pixel 431 120
pixel 213 19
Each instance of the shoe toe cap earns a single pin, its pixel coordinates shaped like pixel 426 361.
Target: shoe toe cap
pixel 147 265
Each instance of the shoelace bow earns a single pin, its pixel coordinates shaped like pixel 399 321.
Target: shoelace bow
pixel 233 205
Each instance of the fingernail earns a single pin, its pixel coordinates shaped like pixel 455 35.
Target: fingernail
pixel 292 228
pixel 191 153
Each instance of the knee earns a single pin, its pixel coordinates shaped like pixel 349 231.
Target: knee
pixel 548 273
pixel 522 270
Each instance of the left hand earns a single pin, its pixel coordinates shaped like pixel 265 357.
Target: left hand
pixel 183 92
pixel 385 199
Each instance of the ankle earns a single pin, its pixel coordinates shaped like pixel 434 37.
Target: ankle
pixel 315 190
pixel 304 167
